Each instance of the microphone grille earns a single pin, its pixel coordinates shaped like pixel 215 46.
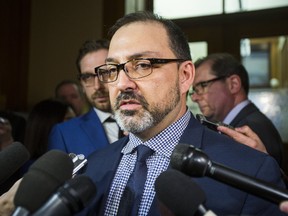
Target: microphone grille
pixel 55 163
pixel 11 159
pixel 79 190
pixel 179 192
pixel 43 178
pixel 177 156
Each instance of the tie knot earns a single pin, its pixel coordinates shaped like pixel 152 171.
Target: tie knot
pixel 110 119
pixel 143 152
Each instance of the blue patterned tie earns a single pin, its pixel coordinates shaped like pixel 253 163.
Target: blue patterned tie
pixel 132 194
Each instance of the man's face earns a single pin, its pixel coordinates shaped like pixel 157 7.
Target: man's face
pixel 71 95
pixel 98 94
pixel 152 101
pixel 214 101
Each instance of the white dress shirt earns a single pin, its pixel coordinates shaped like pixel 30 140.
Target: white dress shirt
pixel 111 128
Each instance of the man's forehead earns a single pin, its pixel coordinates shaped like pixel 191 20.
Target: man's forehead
pixel 204 69
pixel 138 40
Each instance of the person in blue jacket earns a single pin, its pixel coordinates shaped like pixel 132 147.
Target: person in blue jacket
pixel 91 131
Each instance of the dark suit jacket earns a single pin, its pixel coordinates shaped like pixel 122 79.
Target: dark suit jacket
pixel 221 198
pixel 263 127
pixel 80 135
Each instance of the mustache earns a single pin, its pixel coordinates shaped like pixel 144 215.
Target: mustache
pixel 100 94
pixel 131 96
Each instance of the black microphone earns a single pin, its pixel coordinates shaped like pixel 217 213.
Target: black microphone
pixel 11 159
pixel 43 178
pixel 180 194
pixel 193 162
pixel 69 199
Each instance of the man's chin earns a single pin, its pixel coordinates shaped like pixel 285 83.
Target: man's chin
pixel 105 107
pixel 128 112
pixel 205 112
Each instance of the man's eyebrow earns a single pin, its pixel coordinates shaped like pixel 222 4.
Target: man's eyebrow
pixel 198 83
pixel 136 55
pixel 110 60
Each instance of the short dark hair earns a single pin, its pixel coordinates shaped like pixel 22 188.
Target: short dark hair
pixel 177 40
pixel 90 46
pixel 224 64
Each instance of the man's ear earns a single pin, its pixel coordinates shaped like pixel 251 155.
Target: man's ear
pixel 186 75
pixel 235 83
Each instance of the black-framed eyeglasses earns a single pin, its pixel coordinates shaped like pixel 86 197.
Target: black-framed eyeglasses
pixel 134 68
pixel 88 79
pixel 200 88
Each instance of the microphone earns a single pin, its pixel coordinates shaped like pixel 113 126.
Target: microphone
pixel 11 159
pixel 43 178
pixel 69 199
pixel 181 194
pixel 193 162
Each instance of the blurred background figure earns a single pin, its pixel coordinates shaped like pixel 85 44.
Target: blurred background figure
pixel 6 137
pixel 71 92
pixel 17 123
pixel 41 119
pixel 8 134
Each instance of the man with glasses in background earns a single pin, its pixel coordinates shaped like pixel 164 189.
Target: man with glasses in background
pixel 221 88
pixel 97 128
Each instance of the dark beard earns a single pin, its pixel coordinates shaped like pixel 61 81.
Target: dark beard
pixel 147 117
pixel 130 95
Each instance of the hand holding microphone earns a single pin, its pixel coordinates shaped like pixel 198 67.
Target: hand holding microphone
pixel 6 200
pixel 244 135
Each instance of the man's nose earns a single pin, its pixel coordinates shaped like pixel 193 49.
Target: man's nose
pixel 194 97
pixel 97 83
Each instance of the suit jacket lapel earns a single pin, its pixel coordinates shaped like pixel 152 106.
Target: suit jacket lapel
pixel 195 130
pixel 104 176
pixel 92 126
pixel 247 110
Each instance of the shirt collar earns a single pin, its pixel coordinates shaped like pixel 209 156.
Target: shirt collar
pixel 102 115
pixel 234 112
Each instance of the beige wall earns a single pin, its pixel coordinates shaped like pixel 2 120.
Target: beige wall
pixel 58 28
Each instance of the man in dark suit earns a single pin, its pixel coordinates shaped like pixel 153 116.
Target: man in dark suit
pixel 91 131
pixel 149 72
pixel 221 88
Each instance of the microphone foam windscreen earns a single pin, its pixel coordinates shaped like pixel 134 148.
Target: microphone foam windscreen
pixel 42 179
pixel 179 151
pixel 11 159
pixel 78 192
pixel 179 193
